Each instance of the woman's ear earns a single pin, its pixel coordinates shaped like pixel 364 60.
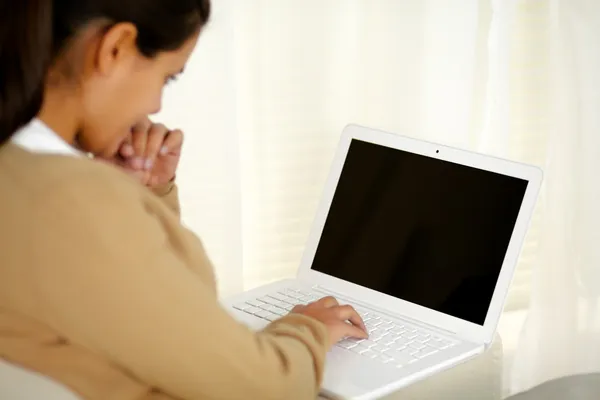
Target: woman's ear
pixel 117 47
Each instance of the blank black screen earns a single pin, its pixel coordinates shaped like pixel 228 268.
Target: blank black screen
pixel 424 230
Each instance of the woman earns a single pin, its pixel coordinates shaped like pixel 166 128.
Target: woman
pixel 101 288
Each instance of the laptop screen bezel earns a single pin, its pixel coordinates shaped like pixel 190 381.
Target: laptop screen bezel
pixel 468 330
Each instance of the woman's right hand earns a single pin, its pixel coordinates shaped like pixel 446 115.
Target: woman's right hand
pixel 341 320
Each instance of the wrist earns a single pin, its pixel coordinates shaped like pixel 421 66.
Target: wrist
pixel 164 189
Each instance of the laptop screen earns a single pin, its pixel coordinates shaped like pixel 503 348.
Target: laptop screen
pixel 426 231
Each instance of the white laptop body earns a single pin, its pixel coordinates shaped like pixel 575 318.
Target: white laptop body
pixel 423 240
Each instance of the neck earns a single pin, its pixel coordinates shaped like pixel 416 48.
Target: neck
pixel 59 112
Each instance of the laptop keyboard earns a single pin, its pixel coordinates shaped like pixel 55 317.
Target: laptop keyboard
pixel 390 342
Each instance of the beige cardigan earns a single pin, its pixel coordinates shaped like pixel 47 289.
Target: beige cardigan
pixel 103 289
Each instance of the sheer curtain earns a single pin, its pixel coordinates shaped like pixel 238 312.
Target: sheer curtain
pixel 306 69
pixel 273 83
pixel 562 332
pixel 269 90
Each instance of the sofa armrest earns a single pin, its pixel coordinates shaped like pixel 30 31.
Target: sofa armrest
pixel 17 383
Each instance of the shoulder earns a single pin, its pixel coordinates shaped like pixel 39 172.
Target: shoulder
pixel 64 187
pixel 53 175
pixel 81 201
pixel 99 210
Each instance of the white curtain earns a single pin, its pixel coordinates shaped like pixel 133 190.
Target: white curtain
pixel 562 333
pixel 269 90
pixel 273 82
pixel 306 69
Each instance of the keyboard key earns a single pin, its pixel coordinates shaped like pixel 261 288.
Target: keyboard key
pixel 275 310
pixel 346 344
pixel 379 348
pixel 266 300
pixel 355 340
pixel 417 345
pixel 387 341
pixel 288 307
pixel 278 297
pixel 254 303
pixel 398 330
pixel 373 323
pixel 252 310
pixel 427 351
pixel 368 342
pixel 293 293
pixel 411 350
pixel 242 307
pixel 404 359
pixel 262 314
pixel 386 325
pixel 402 341
pixel 385 359
pixel 265 306
pixel 279 311
pixel 378 334
pixel 272 317
pixel 284 297
pixel 359 349
pixel 369 353
pixel 422 339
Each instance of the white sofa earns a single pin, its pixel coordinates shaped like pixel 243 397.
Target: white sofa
pixel 20 384
pixel 479 379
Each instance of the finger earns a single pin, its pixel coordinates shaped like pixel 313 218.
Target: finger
pixel 126 149
pixel 172 143
pixel 328 302
pixel 139 137
pixel 348 313
pixel 354 331
pixel 298 309
pixel 156 138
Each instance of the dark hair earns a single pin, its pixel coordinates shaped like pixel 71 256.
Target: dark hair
pixel 33 33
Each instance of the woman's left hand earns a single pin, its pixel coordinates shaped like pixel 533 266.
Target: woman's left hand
pixel 151 153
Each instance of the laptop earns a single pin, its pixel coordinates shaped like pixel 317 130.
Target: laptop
pixel 422 239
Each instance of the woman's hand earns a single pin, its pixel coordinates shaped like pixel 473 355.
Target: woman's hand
pixel 341 321
pixel 151 153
